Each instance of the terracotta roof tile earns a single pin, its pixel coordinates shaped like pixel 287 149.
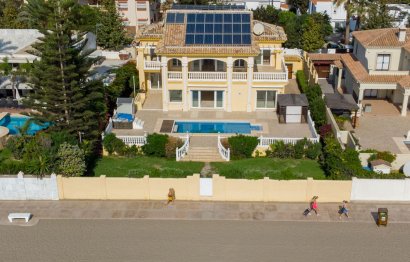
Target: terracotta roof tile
pixel 405 82
pixel 386 37
pixel 323 57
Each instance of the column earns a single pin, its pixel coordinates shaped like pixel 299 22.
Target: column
pixel 278 63
pixel 339 78
pixel 250 78
pixel 164 72
pixel 360 99
pixel 185 95
pixel 140 67
pixel 229 68
pixel 405 104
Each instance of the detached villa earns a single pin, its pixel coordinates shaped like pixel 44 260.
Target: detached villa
pixel 218 59
pixel 207 71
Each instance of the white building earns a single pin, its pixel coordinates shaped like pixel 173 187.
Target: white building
pixel 400 12
pixel 137 13
pixel 336 13
pixel 253 4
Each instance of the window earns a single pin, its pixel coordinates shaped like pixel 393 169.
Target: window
pixel 175 95
pixel 263 58
pixel 176 62
pixel 239 63
pixel 265 99
pixel 383 62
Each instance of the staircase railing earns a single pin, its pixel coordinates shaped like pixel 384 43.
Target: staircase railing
pixel 181 152
pixel 225 153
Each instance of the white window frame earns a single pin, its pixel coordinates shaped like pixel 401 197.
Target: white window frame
pixel 170 96
pixel 215 99
pixel 176 62
pixel 239 63
pixel 383 62
pixel 266 99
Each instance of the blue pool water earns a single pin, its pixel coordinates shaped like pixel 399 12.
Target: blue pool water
pixel 15 122
pixel 125 117
pixel 215 127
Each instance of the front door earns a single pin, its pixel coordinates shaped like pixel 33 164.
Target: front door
pixel 290 70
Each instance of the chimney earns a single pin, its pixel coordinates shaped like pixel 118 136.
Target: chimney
pixel 402 34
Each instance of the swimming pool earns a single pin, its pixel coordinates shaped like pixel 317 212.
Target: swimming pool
pixel 13 123
pixel 216 127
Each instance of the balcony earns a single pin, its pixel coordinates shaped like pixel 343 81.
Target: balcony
pixel 207 76
pixel 152 65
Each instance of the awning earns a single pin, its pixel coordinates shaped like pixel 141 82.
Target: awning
pixel 292 100
pixel 341 102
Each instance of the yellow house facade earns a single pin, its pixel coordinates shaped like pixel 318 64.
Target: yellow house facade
pixel 219 59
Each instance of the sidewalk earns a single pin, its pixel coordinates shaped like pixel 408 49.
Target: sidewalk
pixel 187 210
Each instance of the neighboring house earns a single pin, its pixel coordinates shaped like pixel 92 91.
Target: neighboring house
pixel 15 46
pixel 400 13
pixel 137 13
pixel 253 4
pixel 378 69
pixel 213 59
pixel 336 13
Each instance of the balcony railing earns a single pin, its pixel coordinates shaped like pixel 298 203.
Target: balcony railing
pixel 267 76
pixel 150 65
pixel 174 75
pixel 239 76
pixel 207 75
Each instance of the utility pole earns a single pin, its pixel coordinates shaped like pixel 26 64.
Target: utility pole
pixel 133 80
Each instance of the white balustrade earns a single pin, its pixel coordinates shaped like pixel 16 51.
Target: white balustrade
pixel 133 140
pixel 239 76
pixel 152 65
pixel 181 152
pixel 225 153
pixel 312 128
pixel 270 76
pixel 207 76
pixel 174 75
pixel 109 127
pixel 267 141
pixel 295 52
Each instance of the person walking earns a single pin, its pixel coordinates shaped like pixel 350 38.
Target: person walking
pixel 312 206
pixel 171 196
pixel 344 210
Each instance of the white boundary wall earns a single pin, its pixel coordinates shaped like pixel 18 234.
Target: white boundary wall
pixel 28 188
pixel 380 189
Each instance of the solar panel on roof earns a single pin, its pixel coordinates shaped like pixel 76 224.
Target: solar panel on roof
pixel 226 29
pixel 208 7
pixel 170 17
pixel 175 18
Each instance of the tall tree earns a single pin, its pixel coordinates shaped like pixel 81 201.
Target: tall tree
pixel 353 7
pixel 311 35
pixel 301 5
pixel 62 94
pixel 9 14
pixel 266 14
pixel 378 16
pixel 110 29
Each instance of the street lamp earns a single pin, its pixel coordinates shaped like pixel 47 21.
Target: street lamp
pixel 80 136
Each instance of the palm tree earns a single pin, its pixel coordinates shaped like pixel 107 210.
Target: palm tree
pixel 357 7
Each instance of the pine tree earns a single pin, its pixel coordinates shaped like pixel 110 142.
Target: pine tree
pixel 61 93
pixel 110 29
pixel 9 14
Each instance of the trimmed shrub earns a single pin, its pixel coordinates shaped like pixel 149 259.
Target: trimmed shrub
pixel 299 148
pixel 313 150
pixel 242 146
pixel 384 155
pixel 155 145
pixel 113 144
pixel 302 82
pixel 171 146
pixel 280 149
pixel 71 160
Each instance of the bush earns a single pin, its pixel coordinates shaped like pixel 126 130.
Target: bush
pixel 171 146
pixel 155 145
pixel 280 149
pixel 384 155
pixel 302 149
pixel 317 108
pixel 242 146
pixel 302 82
pixel 113 144
pixel 16 146
pixel 71 160
pixel 313 150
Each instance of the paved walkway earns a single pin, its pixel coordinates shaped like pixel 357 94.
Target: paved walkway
pixel 189 210
pixel 326 86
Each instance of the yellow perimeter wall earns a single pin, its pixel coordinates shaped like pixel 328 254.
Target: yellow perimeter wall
pixel 116 188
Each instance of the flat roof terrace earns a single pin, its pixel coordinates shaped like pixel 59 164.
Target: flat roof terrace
pixel 267 119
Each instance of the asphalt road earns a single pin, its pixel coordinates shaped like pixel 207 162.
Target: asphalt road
pixel 177 241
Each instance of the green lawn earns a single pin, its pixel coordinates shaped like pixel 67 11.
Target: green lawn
pixel 141 166
pixel 257 168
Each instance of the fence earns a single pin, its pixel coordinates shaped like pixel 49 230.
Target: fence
pixel 225 153
pixel 28 188
pixel 189 188
pixel 181 152
pixel 381 189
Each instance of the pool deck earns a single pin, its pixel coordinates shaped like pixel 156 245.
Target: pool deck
pixel 266 118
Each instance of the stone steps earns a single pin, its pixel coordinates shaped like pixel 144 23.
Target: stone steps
pixel 203 154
